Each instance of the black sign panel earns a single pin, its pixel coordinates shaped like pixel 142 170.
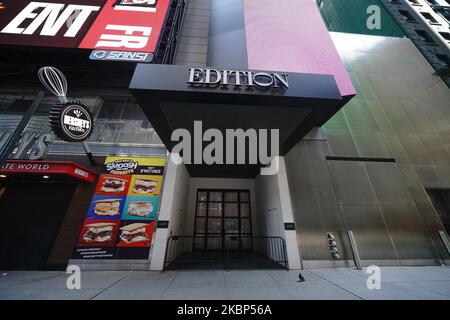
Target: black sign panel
pixel 162 224
pixel 289 226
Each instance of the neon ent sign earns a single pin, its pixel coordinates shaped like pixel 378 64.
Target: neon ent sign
pixel 214 77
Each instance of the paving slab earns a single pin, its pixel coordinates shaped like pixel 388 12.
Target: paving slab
pixel 287 278
pixel 341 275
pixel 441 287
pixel 195 294
pixel 49 294
pixel 411 283
pixel 249 279
pixel 417 291
pixel 319 291
pixel 89 280
pixel 199 279
pixel 131 293
pixel 245 293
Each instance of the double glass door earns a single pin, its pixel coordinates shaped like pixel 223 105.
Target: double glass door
pixel 222 220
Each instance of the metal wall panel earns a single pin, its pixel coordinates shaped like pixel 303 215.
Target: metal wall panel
pixel 408 232
pixel 192 46
pixel 372 238
pixel 227 42
pixel 352 183
pixel 401 112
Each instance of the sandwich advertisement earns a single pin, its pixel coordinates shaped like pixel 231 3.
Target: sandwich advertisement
pixel 121 217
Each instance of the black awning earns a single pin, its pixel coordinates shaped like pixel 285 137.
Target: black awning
pixel 170 102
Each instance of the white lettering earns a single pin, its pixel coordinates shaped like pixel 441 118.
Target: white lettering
pixel 213 77
pixel 128 40
pixel 72 121
pixel 50 18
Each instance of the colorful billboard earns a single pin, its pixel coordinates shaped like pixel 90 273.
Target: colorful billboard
pixel 121 218
pixel 124 25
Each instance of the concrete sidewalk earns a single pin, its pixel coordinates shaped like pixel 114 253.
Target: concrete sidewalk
pixel 339 284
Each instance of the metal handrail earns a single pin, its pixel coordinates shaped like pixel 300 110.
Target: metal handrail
pixel 182 249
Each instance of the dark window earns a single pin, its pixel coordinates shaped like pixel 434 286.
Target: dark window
pixel 445 35
pixel 429 17
pixel 444 59
pixel 407 16
pixel 222 220
pixel 425 36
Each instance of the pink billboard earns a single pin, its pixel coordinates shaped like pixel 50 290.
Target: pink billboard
pixel 291 36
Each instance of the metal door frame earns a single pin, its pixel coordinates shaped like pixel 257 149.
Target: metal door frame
pixel 223 233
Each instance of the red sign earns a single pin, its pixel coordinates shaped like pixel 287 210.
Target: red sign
pixel 124 25
pixel 70 169
pixel 126 28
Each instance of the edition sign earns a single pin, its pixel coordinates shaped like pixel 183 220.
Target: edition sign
pixel 212 77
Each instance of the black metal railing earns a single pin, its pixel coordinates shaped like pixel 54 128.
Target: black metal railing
pixel 227 251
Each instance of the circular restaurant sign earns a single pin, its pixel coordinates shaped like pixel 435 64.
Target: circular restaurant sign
pixel 71 121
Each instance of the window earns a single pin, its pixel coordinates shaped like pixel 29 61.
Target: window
pixel 222 220
pixel 444 59
pixel 429 18
pixel 415 2
pixel 445 35
pixel 424 36
pixel 407 16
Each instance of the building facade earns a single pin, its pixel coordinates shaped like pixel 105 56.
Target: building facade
pixel 363 172
pixel 427 24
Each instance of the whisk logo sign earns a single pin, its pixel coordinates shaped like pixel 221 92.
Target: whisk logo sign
pixel 71 121
pixel 76 121
pixel 124 25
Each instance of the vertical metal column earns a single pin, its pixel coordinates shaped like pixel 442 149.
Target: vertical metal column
pixel 354 250
pixel 15 137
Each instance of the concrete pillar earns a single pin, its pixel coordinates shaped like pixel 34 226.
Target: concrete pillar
pixel 275 209
pixel 172 209
pixel 290 236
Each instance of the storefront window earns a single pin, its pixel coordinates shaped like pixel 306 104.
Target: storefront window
pixel 118 118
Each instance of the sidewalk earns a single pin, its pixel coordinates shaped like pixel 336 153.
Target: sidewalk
pixel 342 284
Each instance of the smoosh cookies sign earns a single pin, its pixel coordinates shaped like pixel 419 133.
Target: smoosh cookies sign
pixel 120 220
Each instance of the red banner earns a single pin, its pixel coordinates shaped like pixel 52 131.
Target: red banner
pixel 124 25
pixel 69 169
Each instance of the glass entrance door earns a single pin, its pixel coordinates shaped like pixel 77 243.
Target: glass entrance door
pixel 223 220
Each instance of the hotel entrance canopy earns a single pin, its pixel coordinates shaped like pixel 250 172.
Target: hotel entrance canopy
pixel 174 96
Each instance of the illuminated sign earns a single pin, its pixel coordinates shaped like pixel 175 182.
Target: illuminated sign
pixel 124 25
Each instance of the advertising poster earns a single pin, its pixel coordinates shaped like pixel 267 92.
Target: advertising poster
pixel 120 221
pixel 125 25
